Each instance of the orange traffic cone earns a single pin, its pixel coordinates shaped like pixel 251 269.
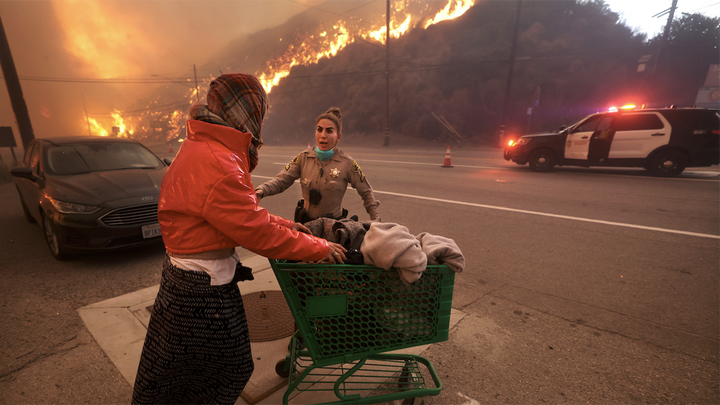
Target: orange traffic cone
pixel 447 158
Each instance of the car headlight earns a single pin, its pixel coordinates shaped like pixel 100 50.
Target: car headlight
pixel 523 141
pixel 73 208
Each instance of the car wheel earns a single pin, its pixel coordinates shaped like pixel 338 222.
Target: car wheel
pixel 26 211
pixel 668 163
pixel 51 237
pixel 542 160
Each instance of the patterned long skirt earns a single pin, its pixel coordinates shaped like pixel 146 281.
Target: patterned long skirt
pixel 197 348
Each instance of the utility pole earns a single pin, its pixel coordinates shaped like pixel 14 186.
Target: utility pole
pixel 12 81
pixel 387 75
pixel 508 86
pixel 197 92
pixel 663 40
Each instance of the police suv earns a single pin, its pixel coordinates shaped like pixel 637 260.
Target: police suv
pixel 664 141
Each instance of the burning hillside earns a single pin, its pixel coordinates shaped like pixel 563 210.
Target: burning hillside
pixel 161 115
pixel 406 14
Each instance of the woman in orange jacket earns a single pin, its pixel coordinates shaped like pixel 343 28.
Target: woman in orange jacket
pixel 197 348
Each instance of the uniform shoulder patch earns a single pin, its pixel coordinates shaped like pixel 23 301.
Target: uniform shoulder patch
pixel 295 161
pixel 356 169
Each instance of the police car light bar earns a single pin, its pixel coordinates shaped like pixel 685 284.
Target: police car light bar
pixel 625 107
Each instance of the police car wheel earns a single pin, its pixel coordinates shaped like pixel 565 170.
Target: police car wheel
pixel 667 163
pixel 542 160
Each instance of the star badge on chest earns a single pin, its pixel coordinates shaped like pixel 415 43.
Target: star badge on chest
pixel 335 173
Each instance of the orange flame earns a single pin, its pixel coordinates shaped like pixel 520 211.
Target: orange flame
pixel 451 11
pixel 119 122
pixel 310 51
pixel 95 128
pixel 302 51
pixel 95 38
pixel 313 48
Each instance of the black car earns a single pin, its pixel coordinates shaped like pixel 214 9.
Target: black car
pixel 91 193
pixel 664 141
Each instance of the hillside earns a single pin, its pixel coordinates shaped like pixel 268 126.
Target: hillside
pixel 572 59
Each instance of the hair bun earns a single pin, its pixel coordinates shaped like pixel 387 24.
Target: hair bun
pixel 334 111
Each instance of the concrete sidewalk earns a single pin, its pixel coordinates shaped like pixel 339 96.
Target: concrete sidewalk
pixel 119 326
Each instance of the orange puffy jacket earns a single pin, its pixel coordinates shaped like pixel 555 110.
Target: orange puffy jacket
pixel 208 202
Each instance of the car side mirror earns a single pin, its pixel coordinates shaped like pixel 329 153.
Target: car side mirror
pixel 24 172
pixel 562 128
pixel 168 161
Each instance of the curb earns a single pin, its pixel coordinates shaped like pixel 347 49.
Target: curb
pixel 119 326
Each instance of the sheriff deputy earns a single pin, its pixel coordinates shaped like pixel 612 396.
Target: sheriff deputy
pixel 324 174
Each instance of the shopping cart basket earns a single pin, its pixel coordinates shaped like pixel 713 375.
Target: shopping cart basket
pixel 348 318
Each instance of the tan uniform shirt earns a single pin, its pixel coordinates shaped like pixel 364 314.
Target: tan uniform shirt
pixel 330 177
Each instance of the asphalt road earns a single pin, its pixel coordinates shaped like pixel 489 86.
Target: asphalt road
pixel 581 285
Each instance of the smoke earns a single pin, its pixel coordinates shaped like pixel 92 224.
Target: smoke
pixel 82 61
pixel 59 47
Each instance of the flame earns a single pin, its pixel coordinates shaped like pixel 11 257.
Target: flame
pixel 119 122
pixel 99 41
pixel 395 32
pixel 95 128
pixel 326 44
pixel 451 11
pixel 310 51
pixel 100 52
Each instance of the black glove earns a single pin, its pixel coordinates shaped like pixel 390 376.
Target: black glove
pixel 242 273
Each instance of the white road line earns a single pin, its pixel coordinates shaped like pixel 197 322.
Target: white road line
pixel 544 214
pixel 707 174
pixel 419 164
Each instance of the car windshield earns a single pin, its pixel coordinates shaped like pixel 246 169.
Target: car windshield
pixel 587 120
pixel 85 157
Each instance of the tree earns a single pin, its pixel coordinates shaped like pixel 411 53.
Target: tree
pixel 692 46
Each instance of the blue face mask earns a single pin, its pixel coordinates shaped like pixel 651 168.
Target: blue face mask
pixel 323 155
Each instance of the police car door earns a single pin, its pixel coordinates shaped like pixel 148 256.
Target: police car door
pixel 637 134
pixel 578 138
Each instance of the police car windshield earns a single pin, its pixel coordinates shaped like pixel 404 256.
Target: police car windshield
pixel 585 123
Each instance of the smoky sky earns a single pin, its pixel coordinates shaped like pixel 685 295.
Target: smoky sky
pixel 64 39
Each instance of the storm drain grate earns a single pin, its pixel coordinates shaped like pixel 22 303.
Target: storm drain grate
pixel 268 316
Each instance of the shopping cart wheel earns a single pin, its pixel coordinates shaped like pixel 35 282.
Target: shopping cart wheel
pixel 280 369
pixel 406 380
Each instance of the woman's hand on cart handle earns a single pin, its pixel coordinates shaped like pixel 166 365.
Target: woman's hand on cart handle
pixel 336 254
pixel 297 226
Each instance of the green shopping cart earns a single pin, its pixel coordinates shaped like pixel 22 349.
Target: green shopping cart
pixel 349 317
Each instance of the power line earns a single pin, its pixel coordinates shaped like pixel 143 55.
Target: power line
pixel 709 5
pixel 326 85
pixel 103 81
pixel 417 66
pixel 158 108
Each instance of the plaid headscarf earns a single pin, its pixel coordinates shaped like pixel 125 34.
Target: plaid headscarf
pixel 238 101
